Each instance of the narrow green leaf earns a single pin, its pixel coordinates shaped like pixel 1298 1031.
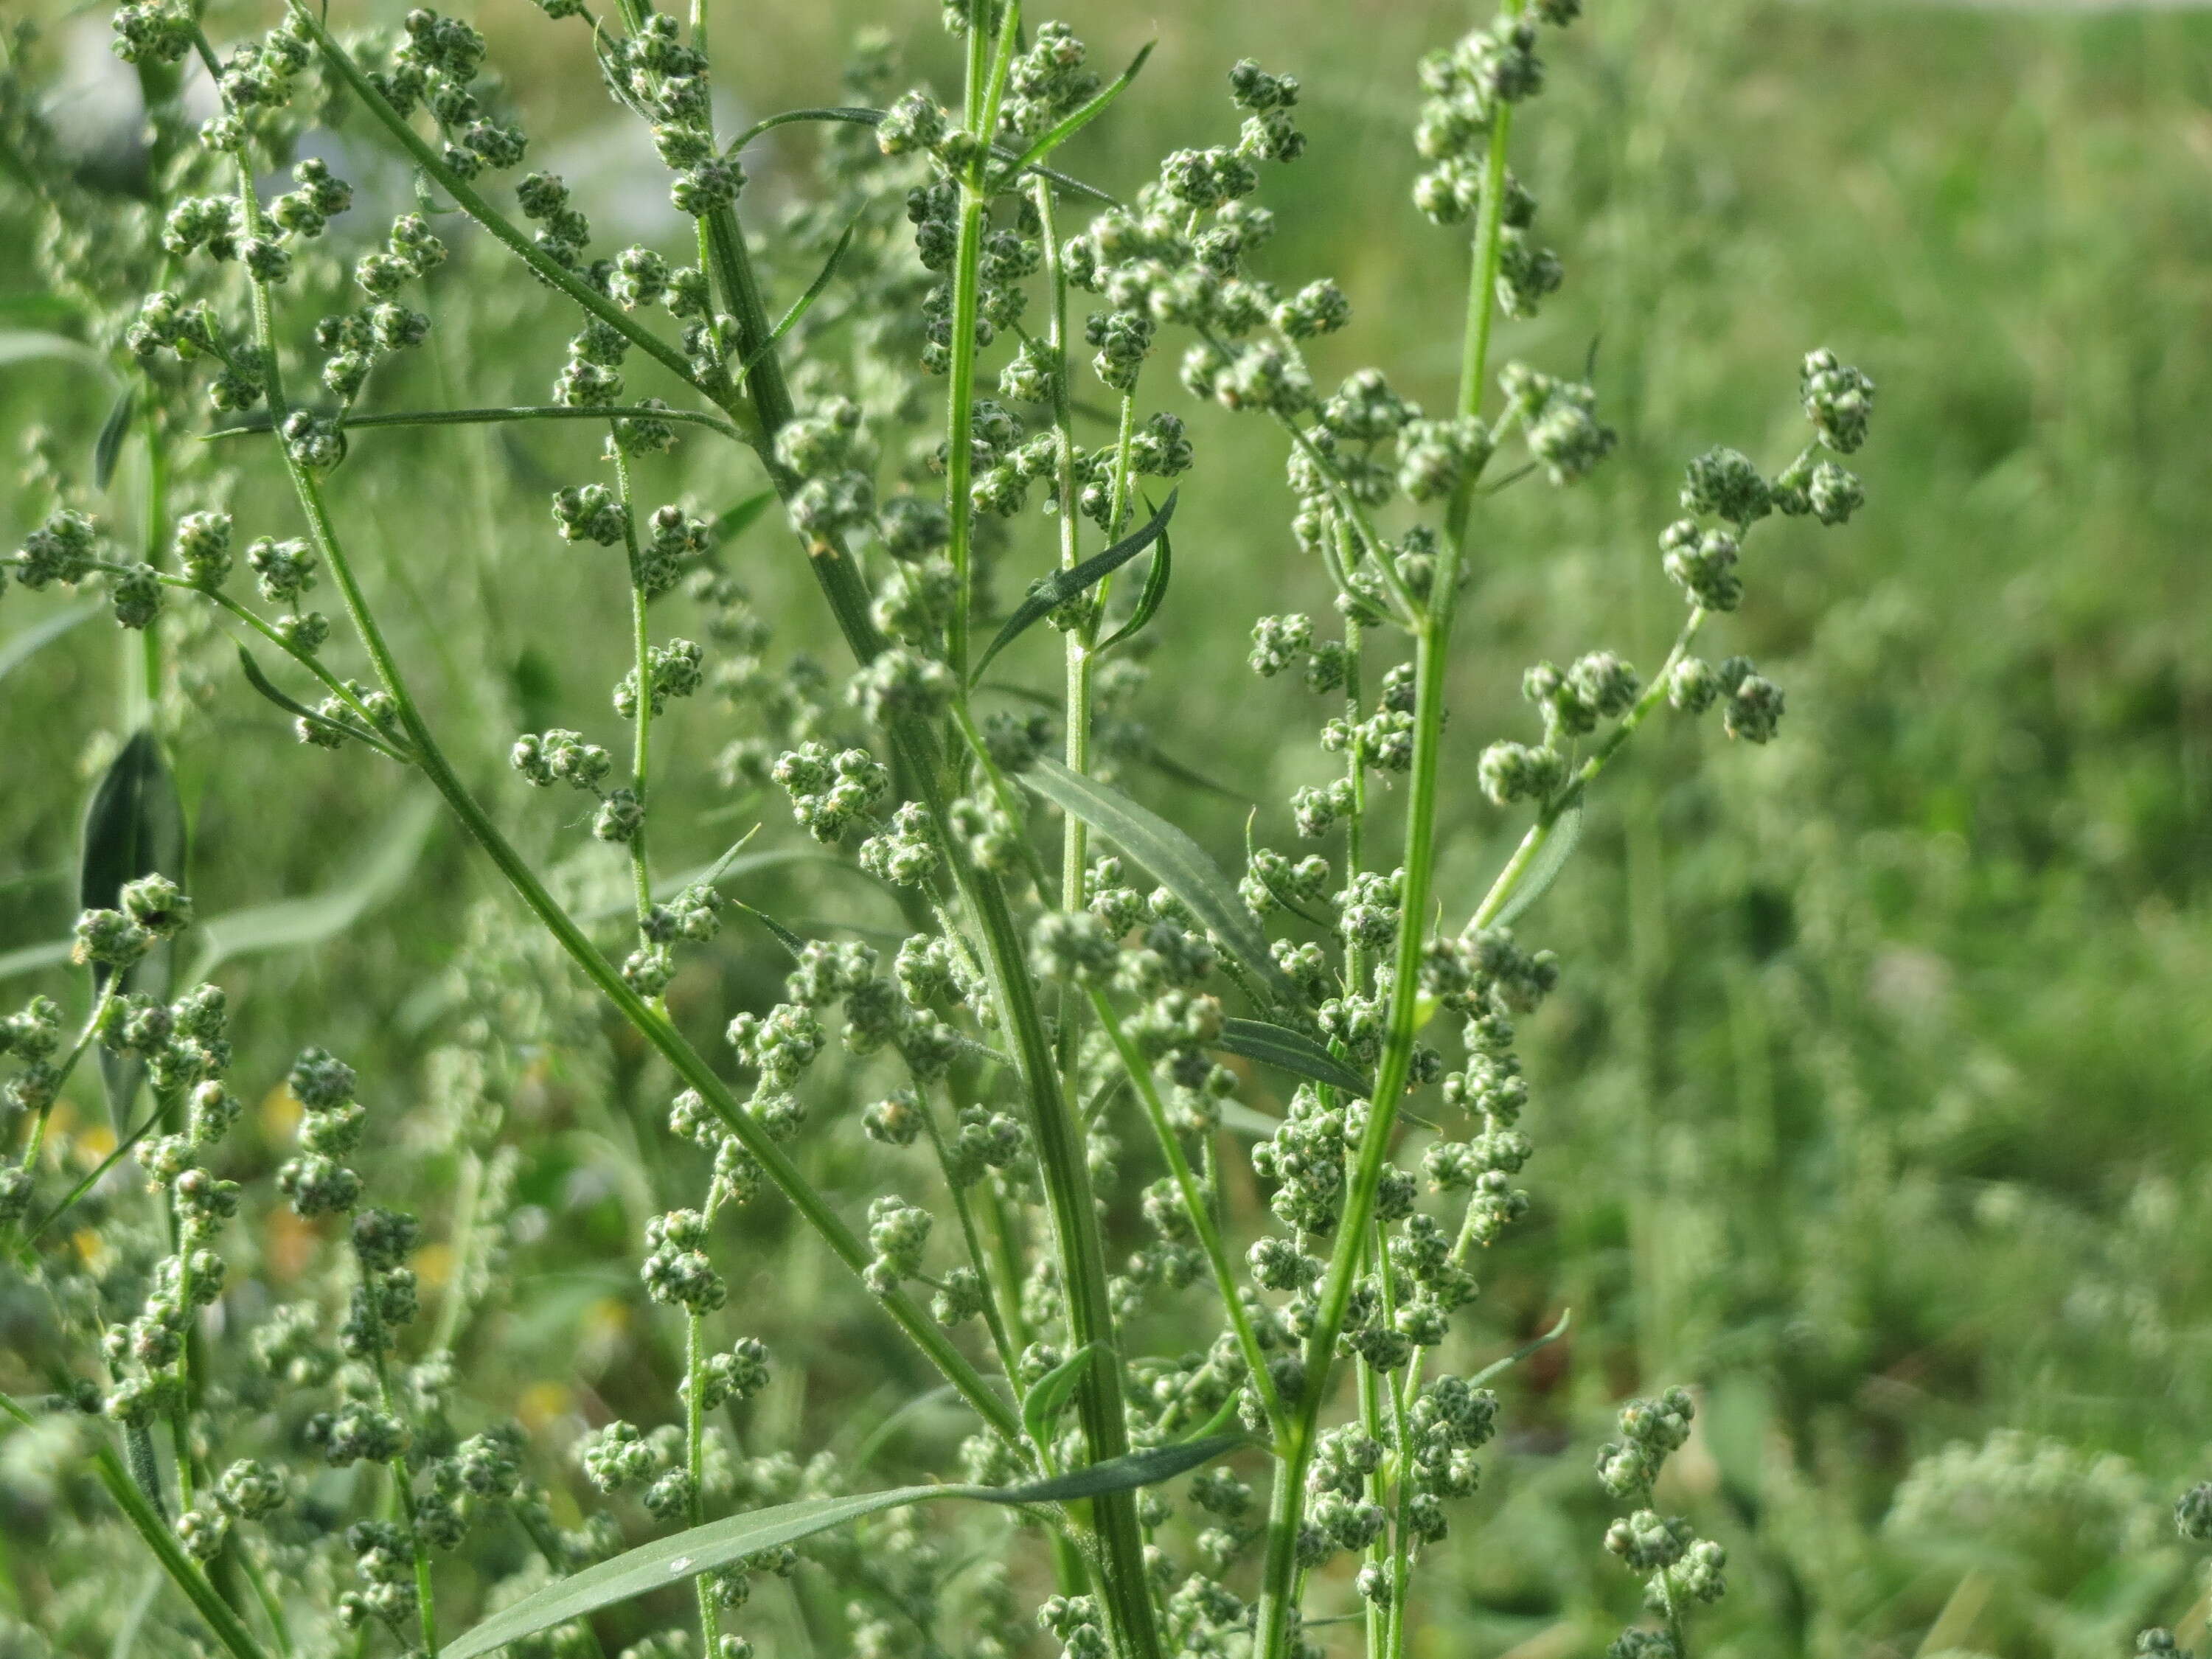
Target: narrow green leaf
pixel 1558 847
pixel 108 447
pixel 1124 1473
pixel 1498 1367
pixel 1148 599
pixel 508 414
pixel 26 345
pixel 859 116
pixel 22 645
pixel 373 872
pixel 261 683
pixel 1177 861
pixel 32 959
pixel 1252 863
pixel 1050 1394
pixel 1067 127
pixel 38 309
pixel 702 1549
pixel 1291 1051
pixel 1168 767
pixel 739 517
pixel 134 826
pixel 1048 593
pixel 790 941
pixel 1240 1119
pixel 805 303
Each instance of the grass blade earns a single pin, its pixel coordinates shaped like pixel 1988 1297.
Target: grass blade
pixel 1081 117
pixel 702 1549
pixel 1551 858
pixel 1048 593
pixel 378 867
pixel 1177 861
pixel 1291 1051
pixel 26 345
pixel 21 646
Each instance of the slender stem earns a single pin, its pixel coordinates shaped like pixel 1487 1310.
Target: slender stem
pixel 84 1036
pixel 960 424
pixel 455 1301
pixel 641 753
pixel 403 1504
pixel 1197 1208
pixel 1432 638
pixel 146 1521
pixel 695 1463
pixel 993 1316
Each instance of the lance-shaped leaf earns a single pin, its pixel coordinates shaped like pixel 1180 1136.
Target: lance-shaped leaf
pixel 805 303
pixel 1073 123
pixel 1290 1051
pixel 134 827
pixel 1551 857
pixel 1148 600
pixel 261 683
pixel 1175 861
pixel 736 519
pixel 1047 593
pixel 107 448
pixel 1048 1395
pixel 702 1549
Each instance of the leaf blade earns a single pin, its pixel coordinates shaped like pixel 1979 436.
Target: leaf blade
pixel 21 646
pixel 386 857
pixel 1177 861
pixel 1287 1050
pixel 805 303
pixel 1075 121
pixel 702 1549
pixel 1048 1395
pixel 107 448
pixel 1053 591
pixel 1148 598
pixel 1558 847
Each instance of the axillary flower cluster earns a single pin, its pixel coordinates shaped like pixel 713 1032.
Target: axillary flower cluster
pixel 1066 1054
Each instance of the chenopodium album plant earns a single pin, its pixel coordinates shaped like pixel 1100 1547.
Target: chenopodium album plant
pixel 1061 993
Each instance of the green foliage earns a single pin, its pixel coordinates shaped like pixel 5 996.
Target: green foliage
pixel 1862 1096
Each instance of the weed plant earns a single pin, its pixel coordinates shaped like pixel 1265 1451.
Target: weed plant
pixel 1202 1356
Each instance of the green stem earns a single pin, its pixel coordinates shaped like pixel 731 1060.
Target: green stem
pixel 1195 1203
pixel 641 753
pixel 403 1504
pixel 694 1446
pixel 1432 639
pixel 994 1317
pixel 228 1628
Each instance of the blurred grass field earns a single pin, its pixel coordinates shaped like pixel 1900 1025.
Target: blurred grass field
pixel 1878 1099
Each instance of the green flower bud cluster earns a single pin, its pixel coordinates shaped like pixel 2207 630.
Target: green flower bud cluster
pixel 1681 1568
pixel 330 1126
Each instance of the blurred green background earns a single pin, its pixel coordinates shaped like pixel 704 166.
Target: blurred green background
pixel 1878 1097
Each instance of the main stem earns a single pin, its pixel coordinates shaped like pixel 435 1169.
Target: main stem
pixel 1431 642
